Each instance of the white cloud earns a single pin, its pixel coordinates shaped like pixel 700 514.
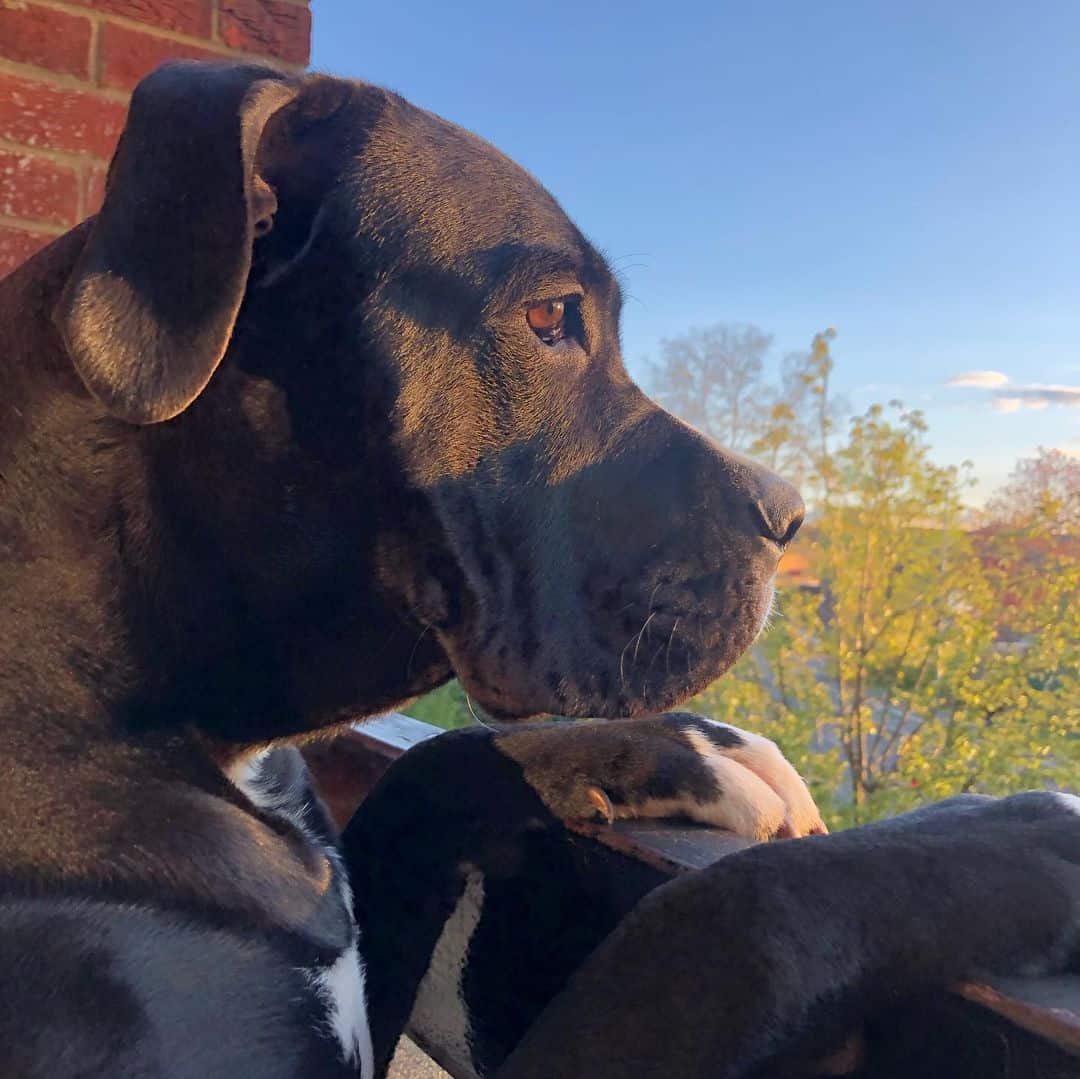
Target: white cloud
pixel 1007 397
pixel 1040 395
pixel 987 380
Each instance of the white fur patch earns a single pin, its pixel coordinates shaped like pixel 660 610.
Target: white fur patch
pixel 760 790
pixel 341 987
pixel 245 773
pixel 763 757
pixel 748 805
pixel 1069 801
pixel 440 1009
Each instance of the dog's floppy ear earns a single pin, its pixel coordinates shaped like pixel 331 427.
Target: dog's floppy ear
pixel 150 307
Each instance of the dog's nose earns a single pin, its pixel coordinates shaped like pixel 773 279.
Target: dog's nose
pixel 778 511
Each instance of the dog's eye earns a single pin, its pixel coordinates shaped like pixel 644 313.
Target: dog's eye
pixel 547 320
pixel 557 321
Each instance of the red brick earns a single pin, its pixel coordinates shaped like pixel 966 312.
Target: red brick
pixel 269 27
pixel 38 189
pixel 127 55
pixel 95 188
pixel 36 114
pixel 45 38
pixel 16 246
pixel 183 16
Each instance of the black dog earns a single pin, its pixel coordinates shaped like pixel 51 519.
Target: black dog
pixel 401 444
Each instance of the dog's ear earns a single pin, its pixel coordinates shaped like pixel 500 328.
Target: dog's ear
pixel 150 307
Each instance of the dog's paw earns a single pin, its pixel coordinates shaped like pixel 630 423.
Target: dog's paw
pixel 677 765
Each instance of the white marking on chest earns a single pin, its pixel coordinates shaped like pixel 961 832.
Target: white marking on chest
pixel 440 1010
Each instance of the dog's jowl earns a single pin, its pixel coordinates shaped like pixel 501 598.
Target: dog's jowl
pixel 325 406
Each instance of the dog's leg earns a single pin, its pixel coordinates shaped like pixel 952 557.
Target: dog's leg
pixel 719 971
pixel 407 850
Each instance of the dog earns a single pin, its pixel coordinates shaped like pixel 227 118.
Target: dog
pixel 480 904
pixel 325 405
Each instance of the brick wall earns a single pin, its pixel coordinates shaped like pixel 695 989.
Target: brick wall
pixel 66 71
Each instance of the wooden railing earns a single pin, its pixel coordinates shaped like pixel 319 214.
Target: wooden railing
pixel 643 855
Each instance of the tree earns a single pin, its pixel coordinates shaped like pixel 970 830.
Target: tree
pixel 1044 489
pixel 801 417
pixel 714 380
pixel 717 380
pixel 904 675
pixel 1023 711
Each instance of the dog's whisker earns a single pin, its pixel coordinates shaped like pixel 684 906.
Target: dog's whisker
pixel 622 660
pixel 614 260
pixel 671 638
pixel 635 639
pixel 641 632
pixel 482 718
pixel 473 713
pixel 769 617
pixel 416 645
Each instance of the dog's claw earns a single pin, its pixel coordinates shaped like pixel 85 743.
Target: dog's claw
pixel 601 803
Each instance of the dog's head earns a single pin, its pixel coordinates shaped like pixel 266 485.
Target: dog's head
pixel 376 372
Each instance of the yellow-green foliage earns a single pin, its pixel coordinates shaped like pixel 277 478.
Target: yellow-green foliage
pixel 933 658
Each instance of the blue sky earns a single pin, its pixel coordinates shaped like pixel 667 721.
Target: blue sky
pixel 908 173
